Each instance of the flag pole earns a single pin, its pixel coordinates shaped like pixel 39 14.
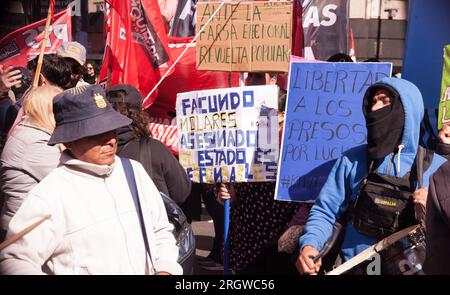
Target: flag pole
pixel 23 232
pixel 226 224
pixel 43 44
pixel 181 55
pixel 226 254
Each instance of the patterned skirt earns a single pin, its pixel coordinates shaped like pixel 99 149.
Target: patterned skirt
pixel 256 221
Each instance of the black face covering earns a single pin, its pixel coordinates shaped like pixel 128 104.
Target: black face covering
pixel 385 129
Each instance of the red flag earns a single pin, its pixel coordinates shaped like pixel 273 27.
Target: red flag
pixel 112 70
pixel 52 8
pixel 165 130
pixel 22 45
pixel 297 29
pixel 136 51
pixel 352 52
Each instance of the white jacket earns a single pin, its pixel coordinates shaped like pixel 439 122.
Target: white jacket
pixel 94 226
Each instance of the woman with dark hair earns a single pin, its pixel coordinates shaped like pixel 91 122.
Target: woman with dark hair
pixel 90 76
pixel 340 57
pixel 140 119
pixel 164 169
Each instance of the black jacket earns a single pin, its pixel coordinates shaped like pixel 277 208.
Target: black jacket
pixel 438 223
pixel 443 149
pixel 164 169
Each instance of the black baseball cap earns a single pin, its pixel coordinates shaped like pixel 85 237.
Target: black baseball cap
pixel 132 95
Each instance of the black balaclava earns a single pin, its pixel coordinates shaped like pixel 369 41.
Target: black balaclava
pixel 384 126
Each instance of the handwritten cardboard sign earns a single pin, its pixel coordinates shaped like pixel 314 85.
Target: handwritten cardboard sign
pixel 229 135
pixel 244 36
pixel 323 119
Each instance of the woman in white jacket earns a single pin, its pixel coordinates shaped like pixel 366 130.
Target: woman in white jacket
pixel 94 226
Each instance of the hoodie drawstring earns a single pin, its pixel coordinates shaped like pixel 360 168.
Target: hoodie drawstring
pixel 400 147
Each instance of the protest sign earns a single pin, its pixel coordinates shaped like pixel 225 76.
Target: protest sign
pixel 22 45
pixel 444 104
pixel 244 36
pixel 229 134
pixel 324 118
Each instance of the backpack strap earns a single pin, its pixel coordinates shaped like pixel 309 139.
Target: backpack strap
pixel 131 181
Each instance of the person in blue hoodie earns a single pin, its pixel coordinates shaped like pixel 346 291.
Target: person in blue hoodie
pixel 393 109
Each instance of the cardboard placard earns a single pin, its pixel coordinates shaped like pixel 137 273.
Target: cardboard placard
pixel 229 134
pixel 244 37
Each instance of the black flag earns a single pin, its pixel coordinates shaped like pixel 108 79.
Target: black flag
pixel 184 21
pixel 325 28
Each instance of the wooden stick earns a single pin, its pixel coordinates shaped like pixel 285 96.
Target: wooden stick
pixel 366 254
pixel 23 232
pixel 43 44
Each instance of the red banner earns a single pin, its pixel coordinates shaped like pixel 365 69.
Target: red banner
pixel 136 51
pixel 186 77
pixel 52 8
pixel 297 28
pixel 22 45
pixel 165 130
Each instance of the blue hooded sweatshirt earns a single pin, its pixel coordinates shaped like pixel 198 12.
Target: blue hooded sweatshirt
pixel 340 190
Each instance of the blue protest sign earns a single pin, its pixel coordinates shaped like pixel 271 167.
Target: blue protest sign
pixel 323 119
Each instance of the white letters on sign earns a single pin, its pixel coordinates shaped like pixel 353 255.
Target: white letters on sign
pixel 58 31
pixel 326 18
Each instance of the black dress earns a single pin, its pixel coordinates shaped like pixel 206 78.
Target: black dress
pixel 257 222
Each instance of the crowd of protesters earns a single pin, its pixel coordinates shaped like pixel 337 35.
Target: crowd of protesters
pixel 66 146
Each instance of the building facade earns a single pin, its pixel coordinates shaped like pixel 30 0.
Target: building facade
pixel 379 26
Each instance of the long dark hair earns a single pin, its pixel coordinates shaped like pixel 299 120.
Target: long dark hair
pixel 139 117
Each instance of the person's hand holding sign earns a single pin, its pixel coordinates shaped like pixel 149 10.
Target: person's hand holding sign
pixel 444 134
pixel 305 262
pixel 223 193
